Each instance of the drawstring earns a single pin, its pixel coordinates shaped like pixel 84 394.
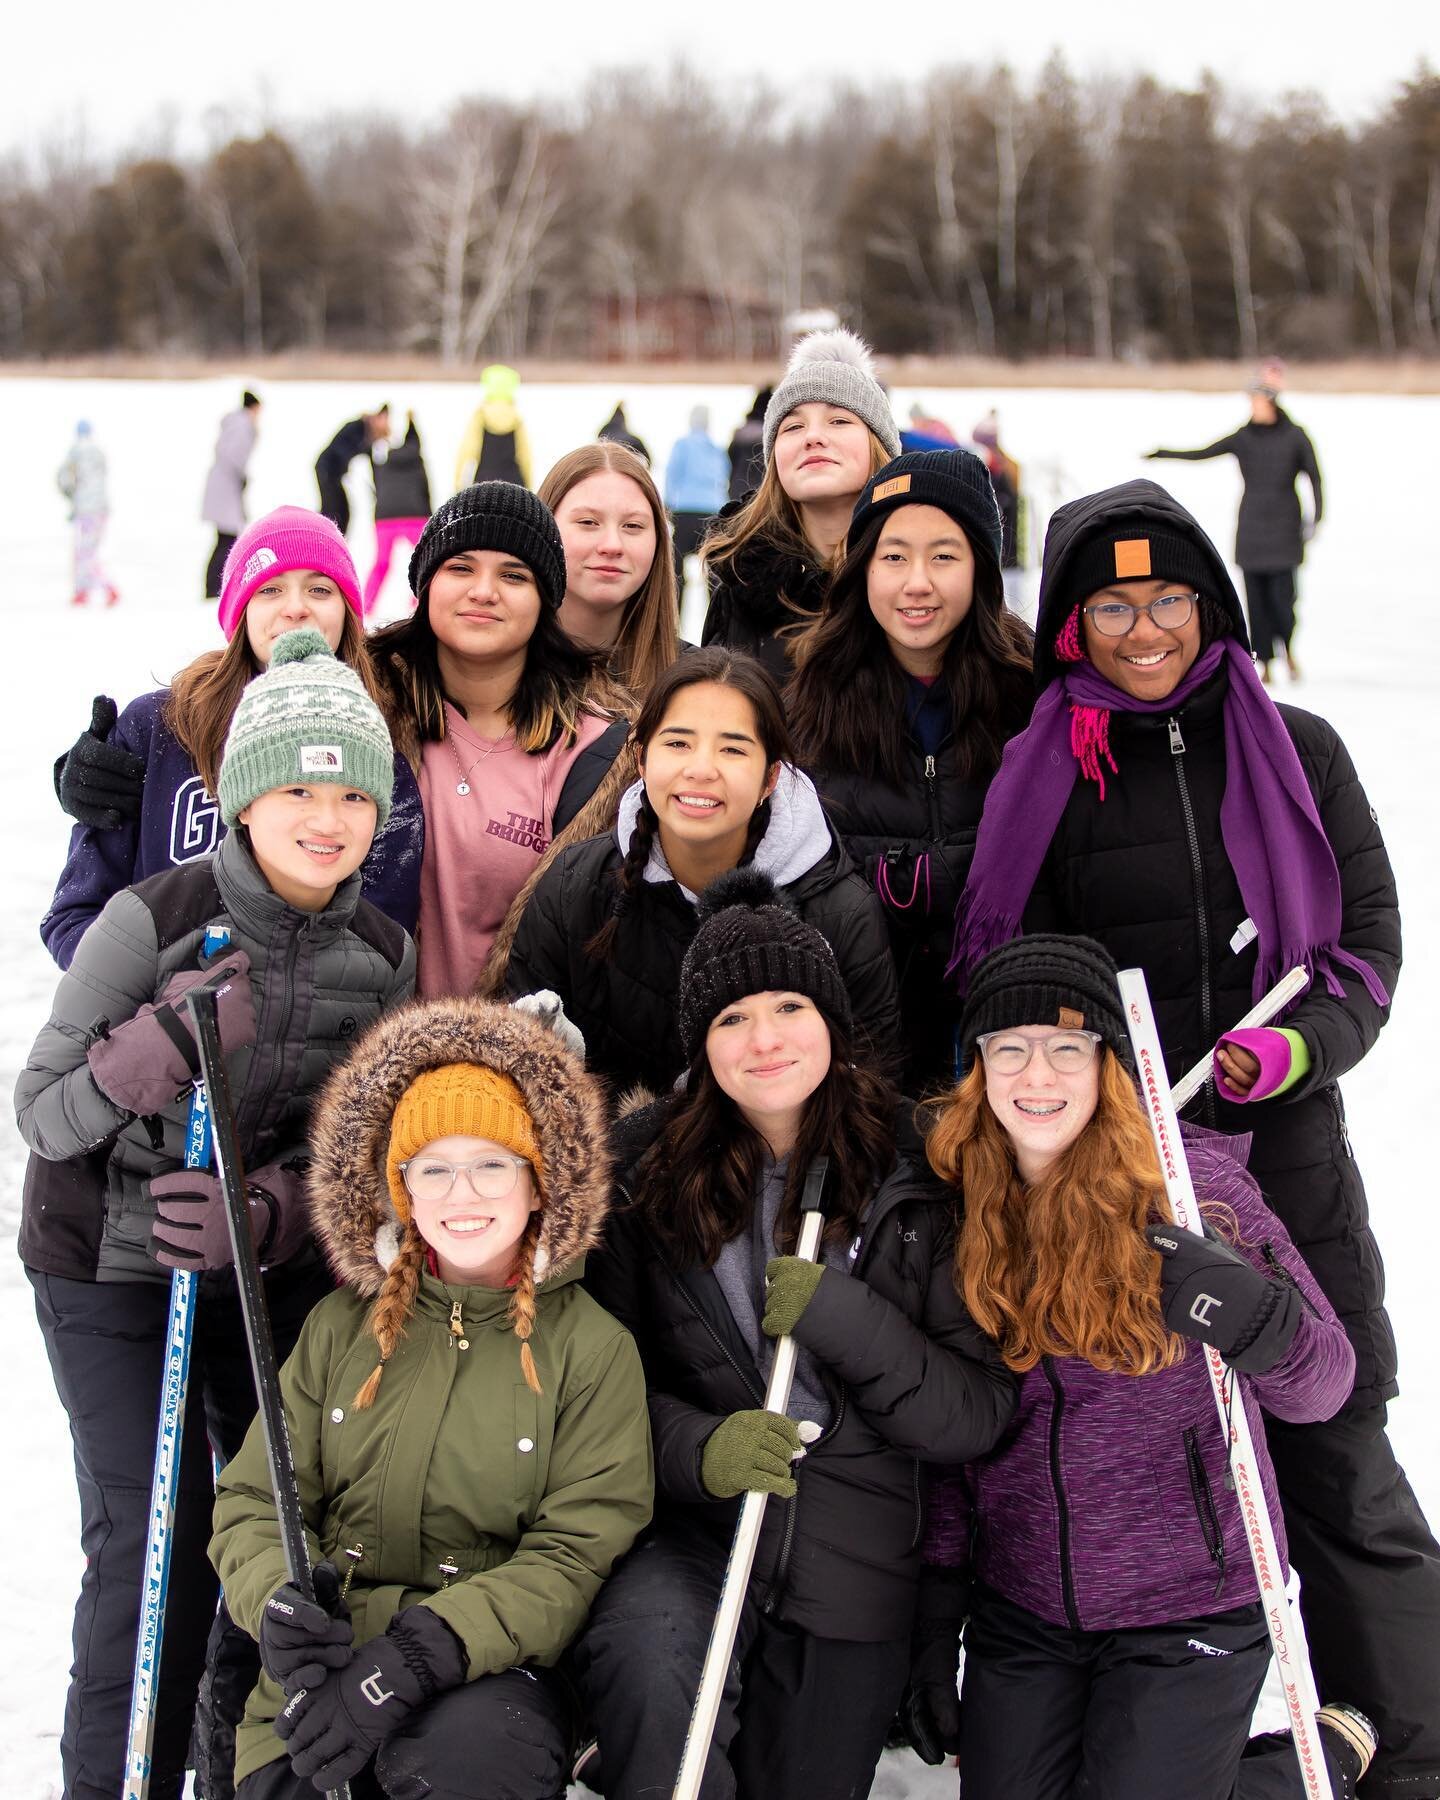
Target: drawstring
pixel 887 893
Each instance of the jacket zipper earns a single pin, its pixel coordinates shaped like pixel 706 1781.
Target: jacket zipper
pixel 1282 1274
pixel 933 799
pixel 252 1108
pixel 1202 914
pixel 1205 1507
pixel 353 1554
pixel 1067 1578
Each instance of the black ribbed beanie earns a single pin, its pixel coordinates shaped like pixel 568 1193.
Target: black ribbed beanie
pixel 1067 982
pixel 493 515
pixel 956 481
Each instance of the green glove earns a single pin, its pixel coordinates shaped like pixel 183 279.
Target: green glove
pixel 751 1450
pixel 790 1281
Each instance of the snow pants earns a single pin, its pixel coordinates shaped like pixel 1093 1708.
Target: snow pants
pixel 503 1737
pixel 1369 1587
pixel 215 568
pixel 802 1716
pixel 1047 1713
pixel 388 532
pixel 106 1344
pixel 1270 602
pixel 87 530
pixel 689 533
pixel 334 501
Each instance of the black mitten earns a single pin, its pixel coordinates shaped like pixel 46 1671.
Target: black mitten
pixel 98 782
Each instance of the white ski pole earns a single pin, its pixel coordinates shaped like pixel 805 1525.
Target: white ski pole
pixel 747 1532
pixel 1261 1013
pixel 1291 1659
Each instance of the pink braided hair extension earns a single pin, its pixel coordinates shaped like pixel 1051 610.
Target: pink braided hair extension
pixel 1090 741
pixel 1068 646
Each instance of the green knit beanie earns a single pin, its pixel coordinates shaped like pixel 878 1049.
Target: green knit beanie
pixel 307 719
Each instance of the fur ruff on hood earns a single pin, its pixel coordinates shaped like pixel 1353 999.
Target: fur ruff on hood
pixel 349 1198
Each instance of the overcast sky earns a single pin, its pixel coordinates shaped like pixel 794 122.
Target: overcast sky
pixel 137 73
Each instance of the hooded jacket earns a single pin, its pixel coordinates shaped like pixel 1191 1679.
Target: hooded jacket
pixel 317 981
pixel 756 594
pixel 460 1489
pixel 1268 532
pixel 1145 871
pixel 1105 1505
pixel 625 1004
pixel 402 488
pixel 907 1373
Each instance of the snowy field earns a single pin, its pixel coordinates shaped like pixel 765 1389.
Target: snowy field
pixel 1369 645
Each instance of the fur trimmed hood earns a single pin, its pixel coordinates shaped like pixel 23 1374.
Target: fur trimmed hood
pixel 350 1207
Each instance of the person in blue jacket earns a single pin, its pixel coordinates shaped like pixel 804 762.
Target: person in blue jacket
pixel 142 785
pixel 697 485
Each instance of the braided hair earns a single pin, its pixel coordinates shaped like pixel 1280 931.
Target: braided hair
pixel 393 1307
pixel 522 1302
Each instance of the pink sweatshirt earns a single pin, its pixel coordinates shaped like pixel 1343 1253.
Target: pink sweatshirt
pixel 481 847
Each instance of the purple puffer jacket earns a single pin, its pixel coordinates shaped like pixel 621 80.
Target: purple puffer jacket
pixel 1104 1505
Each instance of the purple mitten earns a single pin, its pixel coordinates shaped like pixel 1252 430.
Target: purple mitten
pixel 145 1061
pixel 1271 1049
pixel 191 1230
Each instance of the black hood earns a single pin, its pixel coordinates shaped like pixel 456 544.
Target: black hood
pixel 1081 520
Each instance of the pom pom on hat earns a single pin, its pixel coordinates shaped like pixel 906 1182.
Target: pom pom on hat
pixel 838 346
pixel 836 368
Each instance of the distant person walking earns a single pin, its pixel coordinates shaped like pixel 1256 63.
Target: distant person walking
pixel 926 425
pixel 496 446
pixel 616 430
pixel 697 485
pixel 1272 531
pixel 83 480
pixel 1005 479
pixel 352 440
pixel 402 505
pixel 747 448
pixel 224 502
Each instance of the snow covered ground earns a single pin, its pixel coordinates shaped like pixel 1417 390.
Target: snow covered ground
pixel 1369 644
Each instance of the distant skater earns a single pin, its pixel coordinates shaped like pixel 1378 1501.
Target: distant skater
pixel 357 438
pixel 83 480
pixel 224 502
pixel 402 505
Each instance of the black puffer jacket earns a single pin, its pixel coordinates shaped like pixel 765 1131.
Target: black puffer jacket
pixel 908 1373
pixel 402 488
pixel 1145 872
pixel 1267 533
pixel 758 592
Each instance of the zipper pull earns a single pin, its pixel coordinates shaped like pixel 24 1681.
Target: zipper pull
pixel 447 1569
pixel 354 1555
pixel 929 768
pixel 1177 743
pixel 458 1340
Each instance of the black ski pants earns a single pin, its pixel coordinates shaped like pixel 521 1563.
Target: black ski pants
pixel 106 1344
pixel 503 1737
pixel 689 533
pixel 215 568
pixel 1369 1587
pixel 1270 602
pixel 802 1717
pixel 334 501
pixel 1047 1713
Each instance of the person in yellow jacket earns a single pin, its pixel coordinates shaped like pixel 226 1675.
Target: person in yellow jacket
pixel 496 446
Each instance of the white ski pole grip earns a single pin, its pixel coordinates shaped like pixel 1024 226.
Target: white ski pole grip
pixel 1291 1659
pixel 1261 1013
pixel 747 1531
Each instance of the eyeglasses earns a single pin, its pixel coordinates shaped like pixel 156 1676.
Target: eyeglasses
pixel 1116 618
pixel 491 1177
pixel 1067 1052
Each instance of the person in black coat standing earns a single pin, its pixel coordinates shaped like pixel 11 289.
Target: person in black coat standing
pixel 402 505
pixel 909 684
pixel 350 441
pixel 1272 532
pixel 1160 802
pixel 892 1372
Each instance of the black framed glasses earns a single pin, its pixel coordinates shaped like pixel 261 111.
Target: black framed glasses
pixel 1067 1052
pixel 1116 618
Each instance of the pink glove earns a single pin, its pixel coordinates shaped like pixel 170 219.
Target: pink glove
pixel 191 1230
pixel 147 1060
pixel 1271 1049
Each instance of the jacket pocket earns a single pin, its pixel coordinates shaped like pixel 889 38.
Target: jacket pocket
pixel 1205 1510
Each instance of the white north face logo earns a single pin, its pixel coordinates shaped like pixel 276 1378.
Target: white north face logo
pixel 262 560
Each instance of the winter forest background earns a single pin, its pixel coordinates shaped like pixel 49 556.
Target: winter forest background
pixel 657 217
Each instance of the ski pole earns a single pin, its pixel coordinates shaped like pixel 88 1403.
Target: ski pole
pixel 164 1481
pixel 1261 1013
pixel 747 1531
pixel 259 1338
pixel 1291 1658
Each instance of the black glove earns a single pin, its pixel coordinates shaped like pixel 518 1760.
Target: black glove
pixel 930 1706
pixel 1210 1292
pixel 301 1639
pixel 96 782
pixel 334 1730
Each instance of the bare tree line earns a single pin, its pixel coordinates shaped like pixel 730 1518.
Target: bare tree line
pixel 975 213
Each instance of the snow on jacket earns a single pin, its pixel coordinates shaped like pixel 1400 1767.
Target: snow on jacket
pixel 625 1005
pixel 317 980
pixel 402 488
pixel 1268 532
pixel 1105 1503
pixel 528 1498
pixel 697 476
pixel 223 505
pixel 82 479
pixel 908 1374
pixel 1145 872
pixel 757 593
pixel 179 822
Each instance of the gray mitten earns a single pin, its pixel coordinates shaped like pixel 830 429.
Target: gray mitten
pixel 145 1061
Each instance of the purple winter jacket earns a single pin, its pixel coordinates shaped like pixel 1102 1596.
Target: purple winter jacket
pixel 1104 1505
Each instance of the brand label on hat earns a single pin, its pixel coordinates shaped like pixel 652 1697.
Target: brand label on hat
pixel 897 484
pixel 1132 559
pixel 321 759
pixel 262 560
pixel 1070 1020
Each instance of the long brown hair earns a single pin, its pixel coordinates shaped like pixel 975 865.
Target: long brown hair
pixel 696 1185
pixel 1060 1267
pixel 649 639
pixel 203 696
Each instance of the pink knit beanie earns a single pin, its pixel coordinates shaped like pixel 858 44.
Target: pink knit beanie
pixel 291 537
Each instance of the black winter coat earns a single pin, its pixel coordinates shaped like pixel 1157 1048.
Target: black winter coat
pixel 1267 533
pixel 758 592
pixel 402 488
pixel 349 441
pixel 909 1375
pixel 625 1005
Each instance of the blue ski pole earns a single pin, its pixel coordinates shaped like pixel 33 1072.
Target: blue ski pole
pixel 169 1437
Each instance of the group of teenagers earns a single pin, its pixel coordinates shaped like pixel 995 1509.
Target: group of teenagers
pixel 551 957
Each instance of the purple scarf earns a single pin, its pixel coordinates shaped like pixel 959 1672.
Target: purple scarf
pixel 1268 823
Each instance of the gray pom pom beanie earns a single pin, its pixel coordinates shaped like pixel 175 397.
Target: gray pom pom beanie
pixel 833 367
